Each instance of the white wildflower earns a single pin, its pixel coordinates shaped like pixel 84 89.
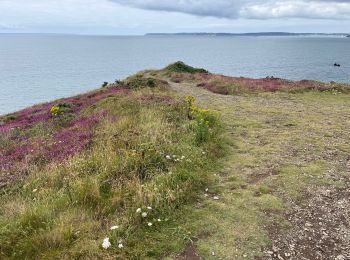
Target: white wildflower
pixel 168 157
pixel 106 244
pixel 150 224
pixel 182 157
pixel 35 190
pixel 203 152
pixel 159 220
pixel 138 210
pixel 144 214
pixel 114 227
pixel 216 198
pixel 206 190
pixel 149 208
pixel 120 245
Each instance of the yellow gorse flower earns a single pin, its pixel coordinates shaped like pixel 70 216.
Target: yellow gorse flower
pixel 190 100
pixel 55 110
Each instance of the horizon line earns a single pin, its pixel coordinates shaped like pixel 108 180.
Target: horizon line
pixel 182 33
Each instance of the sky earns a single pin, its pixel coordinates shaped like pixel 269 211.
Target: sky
pixel 137 17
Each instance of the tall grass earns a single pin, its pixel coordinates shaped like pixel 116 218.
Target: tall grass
pixel 144 157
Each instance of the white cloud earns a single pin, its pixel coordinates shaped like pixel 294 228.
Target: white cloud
pixel 142 16
pixel 251 9
pixel 298 9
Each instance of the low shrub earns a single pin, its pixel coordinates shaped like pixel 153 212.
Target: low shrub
pixel 10 118
pixel 206 121
pixel 60 109
pixel 139 82
pixel 181 67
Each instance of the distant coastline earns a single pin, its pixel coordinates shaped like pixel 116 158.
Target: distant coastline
pixel 256 34
pixel 219 34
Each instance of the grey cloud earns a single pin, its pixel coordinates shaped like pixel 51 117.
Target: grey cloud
pixel 251 9
pixel 216 8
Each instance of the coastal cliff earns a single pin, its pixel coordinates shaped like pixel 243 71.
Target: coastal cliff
pixel 178 163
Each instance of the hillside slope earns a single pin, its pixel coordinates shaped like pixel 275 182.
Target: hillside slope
pixel 179 164
pixel 104 175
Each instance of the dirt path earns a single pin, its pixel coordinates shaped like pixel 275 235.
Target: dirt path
pixel 284 187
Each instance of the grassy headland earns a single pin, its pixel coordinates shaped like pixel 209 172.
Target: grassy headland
pixel 133 170
pixel 120 163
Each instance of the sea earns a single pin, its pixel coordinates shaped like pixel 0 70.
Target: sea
pixel 36 68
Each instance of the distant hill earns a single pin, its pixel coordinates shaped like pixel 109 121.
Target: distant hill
pixel 247 34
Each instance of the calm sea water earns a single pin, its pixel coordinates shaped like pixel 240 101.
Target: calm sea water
pixel 38 68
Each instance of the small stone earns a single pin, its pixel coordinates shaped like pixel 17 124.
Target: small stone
pixel 280 257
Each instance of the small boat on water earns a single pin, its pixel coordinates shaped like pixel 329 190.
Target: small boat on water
pixel 336 65
pixel 347 36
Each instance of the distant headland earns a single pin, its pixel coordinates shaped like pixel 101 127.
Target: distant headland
pixel 255 34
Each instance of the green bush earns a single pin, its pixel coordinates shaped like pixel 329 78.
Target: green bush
pixel 60 109
pixel 183 68
pixel 206 121
pixel 10 118
pixel 139 82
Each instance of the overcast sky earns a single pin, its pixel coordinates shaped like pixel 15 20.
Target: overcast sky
pixel 141 16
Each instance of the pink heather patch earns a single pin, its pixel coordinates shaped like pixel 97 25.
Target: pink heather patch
pixel 61 145
pixel 213 82
pixel 14 154
pixel 74 139
pixel 41 113
pixel 28 117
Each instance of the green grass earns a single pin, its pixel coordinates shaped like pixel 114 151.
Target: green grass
pixel 144 155
pixel 218 174
pixel 283 147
